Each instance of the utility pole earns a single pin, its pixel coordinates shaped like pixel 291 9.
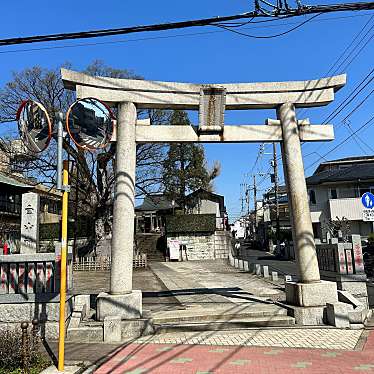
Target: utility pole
pixel 255 205
pixel 247 198
pixel 242 197
pixel 275 168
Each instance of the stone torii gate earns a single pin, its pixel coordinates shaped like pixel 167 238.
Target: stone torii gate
pixel 212 100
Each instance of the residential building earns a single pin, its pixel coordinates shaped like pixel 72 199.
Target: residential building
pixel 335 191
pixel 150 215
pixel 204 202
pixel 267 223
pixel 199 228
pixel 239 228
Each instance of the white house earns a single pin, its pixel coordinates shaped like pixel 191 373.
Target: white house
pixel 335 191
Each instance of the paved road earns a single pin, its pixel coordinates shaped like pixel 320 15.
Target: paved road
pixel 172 286
pixel 95 282
pixel 212 281
pixel 338 351
pixel 283 267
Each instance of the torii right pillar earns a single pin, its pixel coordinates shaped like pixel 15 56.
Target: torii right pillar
pixel 309 295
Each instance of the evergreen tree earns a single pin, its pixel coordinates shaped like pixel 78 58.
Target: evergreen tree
pixel 185 168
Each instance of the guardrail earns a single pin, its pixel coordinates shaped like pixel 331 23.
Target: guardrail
pixel 32 273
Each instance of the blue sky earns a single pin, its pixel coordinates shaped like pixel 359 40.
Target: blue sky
pixel 215 56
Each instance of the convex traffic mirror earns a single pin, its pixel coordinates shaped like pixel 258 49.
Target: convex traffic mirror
pixel 34 126
pixel 89 123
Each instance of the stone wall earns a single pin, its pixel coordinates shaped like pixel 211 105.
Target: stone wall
pixel 204 246
pixel 223 244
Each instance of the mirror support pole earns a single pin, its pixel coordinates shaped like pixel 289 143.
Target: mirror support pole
pixel 60 137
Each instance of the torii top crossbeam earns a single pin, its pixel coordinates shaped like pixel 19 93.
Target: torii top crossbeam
pixel 171 95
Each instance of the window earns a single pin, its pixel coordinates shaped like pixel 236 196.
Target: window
pixel 316 229
pixel 312 197
pixel 347 192
pixel 49 205
pixel 366 189
pixel 10 202
pixel 333 193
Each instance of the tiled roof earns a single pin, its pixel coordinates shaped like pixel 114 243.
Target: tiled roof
pixel 8 180
pixel 155 202
pixel 354 172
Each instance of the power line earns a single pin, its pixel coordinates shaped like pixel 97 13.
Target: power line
pixel 271 36
pixel 343 141
pixel 276 23
pixel 350 98
pixel 258 13
pixel 359 138
pixel 339 109
pixel 333 69
pixel 355 137
pixel 358 53
pixel 347 57
pixel 358 106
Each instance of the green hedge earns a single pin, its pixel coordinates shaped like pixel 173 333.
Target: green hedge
pixel 191 223
pixel 86 228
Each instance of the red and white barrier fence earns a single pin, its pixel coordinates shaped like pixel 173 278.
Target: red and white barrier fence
pixel 31 274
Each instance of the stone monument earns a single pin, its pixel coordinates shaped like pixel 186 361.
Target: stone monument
pixel 30 223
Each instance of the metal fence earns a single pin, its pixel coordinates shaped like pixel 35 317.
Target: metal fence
pixel 104 263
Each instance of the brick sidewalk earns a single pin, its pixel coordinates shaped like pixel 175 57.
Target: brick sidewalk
pixel 281 338
pixel 137 358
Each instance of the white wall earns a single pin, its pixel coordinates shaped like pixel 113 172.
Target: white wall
pixel 350 208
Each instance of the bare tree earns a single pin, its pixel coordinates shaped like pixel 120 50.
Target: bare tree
pixel 338 228
pixel 92 173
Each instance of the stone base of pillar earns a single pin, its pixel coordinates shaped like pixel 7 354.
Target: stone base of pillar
pixel 311 294
pixel 126 306
pixel 308 316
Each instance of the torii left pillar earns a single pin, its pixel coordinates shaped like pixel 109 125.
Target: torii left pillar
pixel 122 301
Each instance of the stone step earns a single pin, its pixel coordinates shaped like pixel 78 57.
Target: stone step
pixel 240 324
pixel 216 315
pixel 93 331
pixel 85 334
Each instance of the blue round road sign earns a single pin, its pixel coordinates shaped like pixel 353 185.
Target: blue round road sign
pixel 367 200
